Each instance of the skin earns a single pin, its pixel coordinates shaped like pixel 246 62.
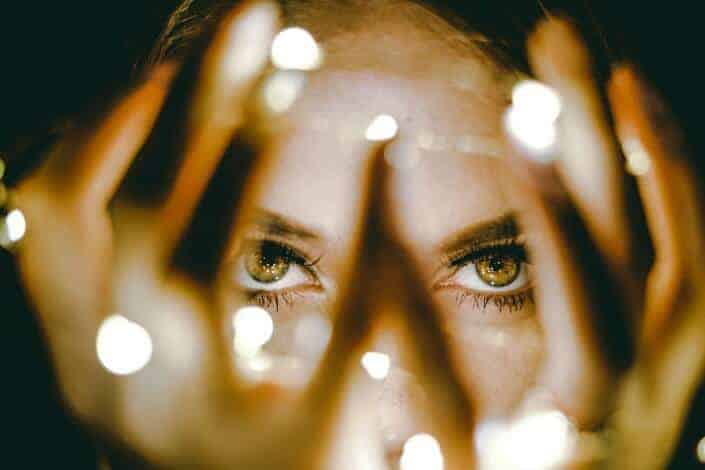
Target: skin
pixel 188 407
pixel 443 194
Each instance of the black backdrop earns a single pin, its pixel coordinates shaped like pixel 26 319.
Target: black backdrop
pixel 57 58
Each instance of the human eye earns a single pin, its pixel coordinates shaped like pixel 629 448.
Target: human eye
pixel 495 275
pixel 272 273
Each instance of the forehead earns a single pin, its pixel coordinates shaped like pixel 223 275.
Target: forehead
pixel 448 106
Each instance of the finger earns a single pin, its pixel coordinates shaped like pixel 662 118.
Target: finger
pixel 353 311
pixel 590 166
pixel 583 314
pixel 428 348
pixel 96 170
pixel 201 113
pixel 203 245
pixel 385 285
pixel 655 148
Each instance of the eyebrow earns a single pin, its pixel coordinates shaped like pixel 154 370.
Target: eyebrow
pixel 475 236
pixel 279 225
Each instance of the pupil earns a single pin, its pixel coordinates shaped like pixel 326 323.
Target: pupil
pixel 496 264
pixel 497 271
pixel 268 263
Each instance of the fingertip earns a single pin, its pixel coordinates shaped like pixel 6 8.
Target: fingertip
pixel 245 38
pixel 556 50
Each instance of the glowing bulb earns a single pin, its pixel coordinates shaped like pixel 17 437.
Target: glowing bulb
pixel 376 364
pixel 123 346
pixel 282 89
pixel 538 441
pixel 295 49
pixel 531 119
pixel 16 225
pixel 638 161
pixel 700 450
pixel 538 136
pixel 12 228
pixel 253 329
pixel 541 100
pixel 382 127
pixel 421 452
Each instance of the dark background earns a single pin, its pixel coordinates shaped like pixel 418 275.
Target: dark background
pixel 61 58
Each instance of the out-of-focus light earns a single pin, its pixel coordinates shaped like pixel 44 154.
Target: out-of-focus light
pixel 16 225
pixel 253 329
pixel 638 160
pixel 543 102
pixel 376 364
pixel 123 346
pixel 700 450
pixel 538 136
pixel 421 452
pixel 295 49
pixel 383 127
pixel 312 335
pixel 538 441
pixel 531 119
pixel 12 228
pixel 281 90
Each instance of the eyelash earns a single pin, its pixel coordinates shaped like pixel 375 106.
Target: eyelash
pixel 513 301
pixel 270 300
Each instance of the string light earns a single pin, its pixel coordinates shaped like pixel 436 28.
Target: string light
pixel 282 89
pixel 123 346
pixel 295 49
pixel 421 452
pixel 253 329
pixel 383 127
pixel 531 119
pixel 376 364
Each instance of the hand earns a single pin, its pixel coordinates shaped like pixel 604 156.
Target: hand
pixel 623 333
pixel 80 264
pixel 133 218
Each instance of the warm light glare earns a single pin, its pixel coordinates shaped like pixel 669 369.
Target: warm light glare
pixel 13 228
pixel 538 136
pixel 282 89
pixel 253 329
pixel 295 49
pixel 382 127
pixel 700 450
pixel 531 119
pixel 638 161
pixel 376 364
pixel 123 346
pixel 421 452
pixel 541 100
pixel 538 441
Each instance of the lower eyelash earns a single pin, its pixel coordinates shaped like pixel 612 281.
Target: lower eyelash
pixel 271 300
pixel 512 302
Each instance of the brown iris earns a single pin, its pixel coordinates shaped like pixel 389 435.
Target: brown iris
pixel 498 270
pixel 268 262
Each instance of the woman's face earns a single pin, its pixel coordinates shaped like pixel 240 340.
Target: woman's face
pixel 444 199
